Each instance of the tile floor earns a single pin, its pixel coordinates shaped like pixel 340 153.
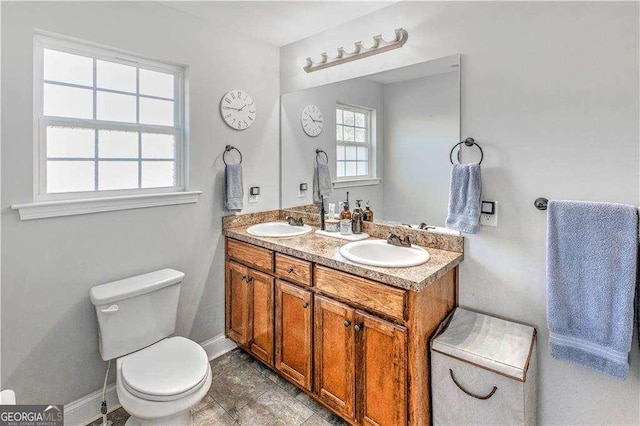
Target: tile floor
pixel 245 392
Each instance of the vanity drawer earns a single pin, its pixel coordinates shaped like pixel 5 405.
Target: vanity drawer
pixel 294 270
pixel 250 255
pixel 384 299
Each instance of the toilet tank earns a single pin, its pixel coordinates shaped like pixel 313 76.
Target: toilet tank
pixel 136 312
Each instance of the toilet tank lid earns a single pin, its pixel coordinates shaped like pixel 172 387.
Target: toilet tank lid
pixel 134 286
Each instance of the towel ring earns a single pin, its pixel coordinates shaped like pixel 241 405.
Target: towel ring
pixel 468 142
pixel 318 152
pixel 230 148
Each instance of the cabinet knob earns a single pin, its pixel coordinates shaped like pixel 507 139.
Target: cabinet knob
pixel 347 323
pixel 249 280
pixel 305 305
pixel 244 278
pixel 358 327
pixel 289 269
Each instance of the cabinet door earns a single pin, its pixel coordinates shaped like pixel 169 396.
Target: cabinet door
pixel 293 333
pixel 381 371
pixel 238 295
pixel 262 316
pixel 334 351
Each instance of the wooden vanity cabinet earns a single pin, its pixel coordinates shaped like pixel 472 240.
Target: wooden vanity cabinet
pixel 249 310
pixel 357 346
pixel 294 313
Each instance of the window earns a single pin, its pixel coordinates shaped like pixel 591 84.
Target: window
pixel 353 143
pixel 109 123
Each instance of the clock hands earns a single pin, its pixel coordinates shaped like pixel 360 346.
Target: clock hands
pixel 312 119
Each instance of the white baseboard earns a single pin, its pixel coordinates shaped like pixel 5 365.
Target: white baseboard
pixel 217 346
pixel 87 409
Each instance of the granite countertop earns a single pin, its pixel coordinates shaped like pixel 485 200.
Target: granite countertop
pixel 326 251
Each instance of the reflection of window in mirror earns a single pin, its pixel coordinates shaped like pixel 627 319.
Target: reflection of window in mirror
pixel 354 156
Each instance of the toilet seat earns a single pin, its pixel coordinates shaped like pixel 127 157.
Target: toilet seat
pixel 165 371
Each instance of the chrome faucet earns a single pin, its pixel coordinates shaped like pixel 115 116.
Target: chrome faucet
pixel 425 226
pixel 395 240
pixel 293 221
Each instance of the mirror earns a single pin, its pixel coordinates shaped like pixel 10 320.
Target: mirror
pixel 387 137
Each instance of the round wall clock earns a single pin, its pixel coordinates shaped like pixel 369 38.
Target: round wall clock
pixel 238 109
pixel 312 120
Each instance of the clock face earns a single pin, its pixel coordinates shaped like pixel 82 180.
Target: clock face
pixel 238 109
pixel 312 120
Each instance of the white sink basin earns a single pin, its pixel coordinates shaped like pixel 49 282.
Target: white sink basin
pixel 379 253
pixel 277 229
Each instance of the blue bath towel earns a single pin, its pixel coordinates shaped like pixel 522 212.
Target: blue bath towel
pixel 234 191
pixel 465 196
pixel 592 253
pixel 321 182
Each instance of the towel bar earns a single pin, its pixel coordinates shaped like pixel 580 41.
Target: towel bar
pixel 230 148
pixel 541 203
pixel 318 152
pixel 468 142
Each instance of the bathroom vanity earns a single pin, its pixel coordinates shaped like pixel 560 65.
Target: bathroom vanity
pixel 353 337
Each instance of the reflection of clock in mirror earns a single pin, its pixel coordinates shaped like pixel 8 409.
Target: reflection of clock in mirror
pixel 312 120
pixel 238 109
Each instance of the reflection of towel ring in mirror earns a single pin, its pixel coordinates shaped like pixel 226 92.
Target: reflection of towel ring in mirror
pixel 318 152
pixel 467 142
pixel 230 148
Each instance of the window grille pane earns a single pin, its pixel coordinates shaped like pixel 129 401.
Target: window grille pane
pixel 340 152
pixel 360 119
pixel 348 118
pixel 359 135
pixel 70 176
pixel 156 145
pixel 351 153
pixel 117 144
pixel 157 174
pixel 340 168
pixel 339 116
pixel 156 84
pixel 339 133
pixel 348 134
pixel 63 101
pixel 117 175
pixel 65 142
pixel 351 168
pixel 363 153
pixel 116 107
pixel 362 168
pixel 68 68
pixel 110 75
pixel 154 111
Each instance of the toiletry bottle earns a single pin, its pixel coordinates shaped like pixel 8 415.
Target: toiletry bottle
pixel 368 214
pixel 332 211
pixel 356 218
pixel 345 218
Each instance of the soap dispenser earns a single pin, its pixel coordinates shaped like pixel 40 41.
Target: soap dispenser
pixel 368 213
pixel 345 218
pixel 356 218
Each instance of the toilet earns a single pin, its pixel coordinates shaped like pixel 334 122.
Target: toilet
pixel 158 378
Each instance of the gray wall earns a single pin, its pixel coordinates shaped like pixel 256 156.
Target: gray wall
pixel 49 331
pixel 550 90
pixel 421 124
pixel 298 149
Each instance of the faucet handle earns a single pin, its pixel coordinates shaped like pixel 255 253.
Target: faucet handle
pixel 406 242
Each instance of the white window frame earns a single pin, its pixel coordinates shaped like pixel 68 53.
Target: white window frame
pixel 370 142
pixel 61 204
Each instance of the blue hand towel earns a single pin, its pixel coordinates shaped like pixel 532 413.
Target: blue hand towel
pixel 465 195
pixel 234 191
pixel 321 182
pixel 592 253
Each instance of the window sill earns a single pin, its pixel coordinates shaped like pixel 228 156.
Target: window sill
pixel 46 209
pixel 356 182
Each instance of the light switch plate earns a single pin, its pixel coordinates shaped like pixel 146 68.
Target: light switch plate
pixel 490 219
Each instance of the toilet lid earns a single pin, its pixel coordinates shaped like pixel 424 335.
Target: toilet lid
pixel 165 369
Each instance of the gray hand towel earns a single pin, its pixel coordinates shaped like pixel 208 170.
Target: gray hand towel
pixel 321 182
pixel 592 253
pixel 234 191
pixel 465 195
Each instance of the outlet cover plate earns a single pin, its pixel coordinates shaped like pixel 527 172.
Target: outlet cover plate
pixel 490 219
